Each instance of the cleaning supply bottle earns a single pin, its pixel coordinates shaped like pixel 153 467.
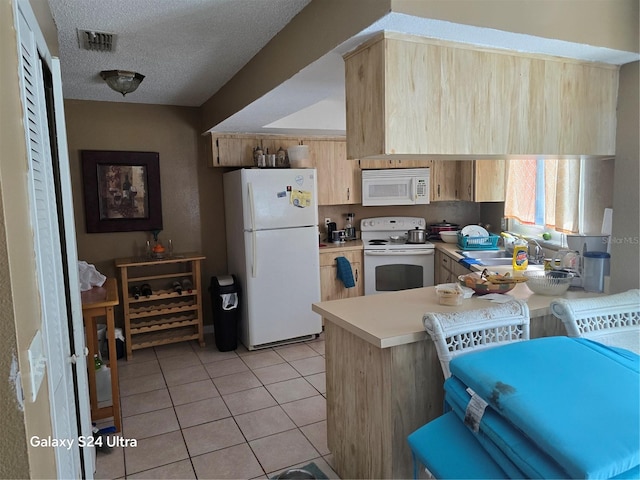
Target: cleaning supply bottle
pixel 520 255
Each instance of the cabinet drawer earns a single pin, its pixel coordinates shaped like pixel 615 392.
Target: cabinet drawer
pixel 445 261
pixel 329 258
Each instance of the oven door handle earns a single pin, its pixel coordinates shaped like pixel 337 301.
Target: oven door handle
pixel 398 252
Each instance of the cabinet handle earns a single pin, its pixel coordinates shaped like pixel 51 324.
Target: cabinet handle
pixel 438 189
pixel 348 193
pixel 356 274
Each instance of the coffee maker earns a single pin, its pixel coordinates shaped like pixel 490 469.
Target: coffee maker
pixel 331 227
pixel 573 260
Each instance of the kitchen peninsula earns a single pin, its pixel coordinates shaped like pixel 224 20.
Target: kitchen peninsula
pixel 383 376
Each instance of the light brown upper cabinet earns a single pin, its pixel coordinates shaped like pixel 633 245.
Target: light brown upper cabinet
pixel 481 180
pixel 444 180
pixel 232 150
pixel 339 181
pixel 236 149
pixel 413 96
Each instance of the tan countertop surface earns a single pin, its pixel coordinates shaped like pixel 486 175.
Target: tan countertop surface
pixel 346 246
pixel 395 318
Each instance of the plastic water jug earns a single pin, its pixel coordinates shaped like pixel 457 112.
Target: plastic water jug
pixel 596 266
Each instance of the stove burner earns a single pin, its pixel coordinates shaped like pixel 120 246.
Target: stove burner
pixel 378 242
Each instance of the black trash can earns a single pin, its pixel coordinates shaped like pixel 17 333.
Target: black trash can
pixel 225 298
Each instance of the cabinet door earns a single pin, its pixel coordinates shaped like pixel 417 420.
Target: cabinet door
pixel 439 272
pixel 444 180
pixel 331 288
pixel 481 180
pixel 339 179
pixel 465 180
pixel 443 268
pixel 232 151
pixel 489 180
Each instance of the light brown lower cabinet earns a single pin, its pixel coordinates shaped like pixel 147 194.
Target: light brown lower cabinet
pixel 447 269
pixel 332 288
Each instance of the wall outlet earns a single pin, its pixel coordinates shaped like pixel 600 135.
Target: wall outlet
pixel 327 220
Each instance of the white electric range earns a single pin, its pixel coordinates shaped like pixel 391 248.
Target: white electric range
pixel 391 264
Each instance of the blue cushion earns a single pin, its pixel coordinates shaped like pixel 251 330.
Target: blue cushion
pixel 509 448
pixel 449 450
pixel 576 400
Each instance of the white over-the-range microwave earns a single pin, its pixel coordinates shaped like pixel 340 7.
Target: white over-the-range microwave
pixel 401 186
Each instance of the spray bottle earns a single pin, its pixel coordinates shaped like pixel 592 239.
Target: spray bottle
pixel 520 255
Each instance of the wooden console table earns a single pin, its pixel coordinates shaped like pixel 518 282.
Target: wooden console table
pixel 99 302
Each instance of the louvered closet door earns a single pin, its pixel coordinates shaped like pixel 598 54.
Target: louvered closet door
pixel 44 218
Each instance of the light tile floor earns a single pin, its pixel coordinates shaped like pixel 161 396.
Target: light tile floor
pixel 201 413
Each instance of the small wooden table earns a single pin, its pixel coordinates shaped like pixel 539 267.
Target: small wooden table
pixel 99 302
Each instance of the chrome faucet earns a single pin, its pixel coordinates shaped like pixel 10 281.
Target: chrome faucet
pixel 538 257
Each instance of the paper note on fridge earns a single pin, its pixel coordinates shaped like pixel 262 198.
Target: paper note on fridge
pixel 301 198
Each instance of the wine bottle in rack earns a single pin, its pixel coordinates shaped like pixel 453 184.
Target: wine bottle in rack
pixel 177 287
pixel 145 290
pixel 187 285
pixel 135 292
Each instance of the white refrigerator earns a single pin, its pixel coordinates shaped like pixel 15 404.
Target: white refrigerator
pixel 271 218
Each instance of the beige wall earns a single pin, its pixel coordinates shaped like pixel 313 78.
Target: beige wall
pixel 625 247
pixel 19 297
pixel 603 23
pixel 192 207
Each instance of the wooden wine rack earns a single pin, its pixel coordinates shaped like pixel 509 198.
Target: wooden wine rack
pixel 165 316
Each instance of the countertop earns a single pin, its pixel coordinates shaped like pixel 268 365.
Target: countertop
pixel 395 318
pixel 345 246
pixel 450 248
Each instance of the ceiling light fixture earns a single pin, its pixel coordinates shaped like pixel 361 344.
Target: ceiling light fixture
pixel 122 81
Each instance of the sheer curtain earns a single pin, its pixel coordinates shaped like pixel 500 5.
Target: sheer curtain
pixel 557 203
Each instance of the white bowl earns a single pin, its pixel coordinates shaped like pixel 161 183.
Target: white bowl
pixel 552 283
pixel 449 237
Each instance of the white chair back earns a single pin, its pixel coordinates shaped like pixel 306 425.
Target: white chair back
pixel 613 320
pixel 457 333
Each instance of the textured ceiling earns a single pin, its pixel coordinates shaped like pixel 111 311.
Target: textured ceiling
pixel 187 49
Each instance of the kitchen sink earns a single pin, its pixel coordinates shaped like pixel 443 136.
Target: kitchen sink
pixel 489 257
pixel 493 257
pixel 485 254
pixel 496 261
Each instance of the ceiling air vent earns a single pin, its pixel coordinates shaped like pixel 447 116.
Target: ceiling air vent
pixel 96 41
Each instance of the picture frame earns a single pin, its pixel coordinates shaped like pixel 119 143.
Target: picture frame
pixel 121 191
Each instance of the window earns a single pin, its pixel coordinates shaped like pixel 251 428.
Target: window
pixel 545 195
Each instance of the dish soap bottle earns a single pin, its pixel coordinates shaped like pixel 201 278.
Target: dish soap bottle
pixel 520 255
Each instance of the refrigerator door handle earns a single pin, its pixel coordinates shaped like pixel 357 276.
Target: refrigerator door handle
pixel 254 265
pixel 252 209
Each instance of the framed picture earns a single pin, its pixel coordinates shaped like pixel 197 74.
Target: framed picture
pixel 121 191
